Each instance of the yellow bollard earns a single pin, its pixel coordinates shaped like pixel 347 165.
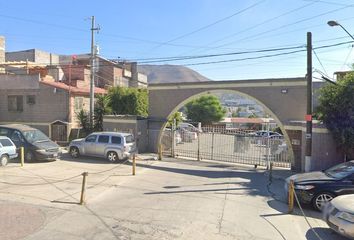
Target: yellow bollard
pixel 22 153
pixel 291 196
pixel 83 188
pixel 134 163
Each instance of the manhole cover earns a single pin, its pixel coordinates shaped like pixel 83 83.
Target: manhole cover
pixel 18 221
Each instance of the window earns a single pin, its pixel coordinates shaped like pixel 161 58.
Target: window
pixel 91 138
pixel 78 103
pixel 116 140
pixel 129 139
pixel 103 139
pixel 15 103
pixel 4 132
pixel 5 143
pixel 31 99
pixel 17 137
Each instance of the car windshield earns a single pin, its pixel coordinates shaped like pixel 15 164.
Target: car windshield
pixel 129 139
pixel 35 136
pixel 341 171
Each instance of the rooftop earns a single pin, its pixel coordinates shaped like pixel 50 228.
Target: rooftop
pixel 72 89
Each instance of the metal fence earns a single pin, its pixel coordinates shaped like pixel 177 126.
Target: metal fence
pixel 228 145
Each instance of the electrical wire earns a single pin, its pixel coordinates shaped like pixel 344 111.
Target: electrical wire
pixel 208 25
pixel 347 57
pixel 260 24
pixel 287 25
pixel 318 59
pixel 235 53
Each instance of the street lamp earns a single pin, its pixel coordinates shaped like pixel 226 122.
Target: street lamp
pixel 333 23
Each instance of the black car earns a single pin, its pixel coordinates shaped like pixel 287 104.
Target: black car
pixel 317 188
pixel 36 144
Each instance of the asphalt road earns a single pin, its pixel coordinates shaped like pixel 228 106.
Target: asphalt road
pixel 170 199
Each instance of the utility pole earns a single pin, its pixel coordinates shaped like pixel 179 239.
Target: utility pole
pixel 92 62
pixel 308 118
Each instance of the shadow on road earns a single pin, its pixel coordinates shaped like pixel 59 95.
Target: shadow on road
pixel 324 233
pixel 251 181
pixel 84 159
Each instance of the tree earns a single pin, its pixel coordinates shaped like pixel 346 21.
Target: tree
pixel 84 120
pixel 102 107
pixel 206 109
pixel 336 110
pixel 176 116
pixel 133 101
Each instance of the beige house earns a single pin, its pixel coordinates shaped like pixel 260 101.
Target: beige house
pixel 46 90
pixel 43 103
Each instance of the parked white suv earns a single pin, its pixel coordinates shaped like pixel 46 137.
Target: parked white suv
pixel 7 150
pixel 114 146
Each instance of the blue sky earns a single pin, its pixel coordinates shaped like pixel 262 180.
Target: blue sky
pixel 138 29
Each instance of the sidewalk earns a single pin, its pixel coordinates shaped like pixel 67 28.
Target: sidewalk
pixel 281 173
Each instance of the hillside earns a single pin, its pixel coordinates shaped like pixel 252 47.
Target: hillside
pixel 170 74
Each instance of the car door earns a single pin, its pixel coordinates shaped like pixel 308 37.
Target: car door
pixel 89 147
pixel 117 143
pixel 101 145
pixel 17 139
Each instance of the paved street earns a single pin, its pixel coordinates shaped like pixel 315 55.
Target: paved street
pixel 170 199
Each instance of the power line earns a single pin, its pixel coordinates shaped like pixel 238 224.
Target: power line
pixel 209 25
pixel 248 58
pixel 262 23
pixel 287 25
pixel 328 2
pixel 229 54
pixel 318 59
pixel 219 55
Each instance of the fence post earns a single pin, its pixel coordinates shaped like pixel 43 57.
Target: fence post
pixel 212 145
pixel 198 153
pixel 160 151
pixel 83 188
pixel 134 165
pixel 173 133
pixel 291 196
pixel 22 152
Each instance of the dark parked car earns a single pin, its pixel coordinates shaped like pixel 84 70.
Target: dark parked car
pixel 318 188
pixel 36 144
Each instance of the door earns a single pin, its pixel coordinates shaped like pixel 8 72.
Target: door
pixel 59 132
pixel 89 147
pixel 101 145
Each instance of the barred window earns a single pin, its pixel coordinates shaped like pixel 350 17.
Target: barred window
pixel 31 99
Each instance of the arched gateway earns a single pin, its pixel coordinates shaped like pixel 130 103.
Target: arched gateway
pixel 284 99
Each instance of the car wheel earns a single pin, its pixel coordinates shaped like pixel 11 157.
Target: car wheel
pixel 74 152
pixel 112 156
pixel 4 160
pixel 320 200
pixel 29 156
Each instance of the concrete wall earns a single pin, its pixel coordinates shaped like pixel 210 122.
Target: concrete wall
pixel 33 55
pixel 132 124
pixel 324 150
pixel 284 98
